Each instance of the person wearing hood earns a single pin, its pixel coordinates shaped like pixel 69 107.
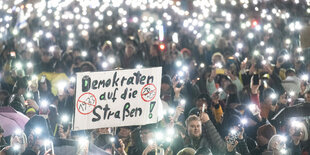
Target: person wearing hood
pixel 17 100
pixel 291 82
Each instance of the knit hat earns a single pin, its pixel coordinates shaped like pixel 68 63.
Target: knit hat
pixel 30 110
pixel 166 79
pixel 266 131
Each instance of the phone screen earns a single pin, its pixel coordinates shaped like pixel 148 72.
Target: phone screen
pixel 219 71
pixel 13 54
pixel 255 79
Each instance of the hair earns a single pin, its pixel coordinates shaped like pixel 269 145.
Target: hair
pixel 187 151
pixel 191 118
pixel 24 140
pixel 276 139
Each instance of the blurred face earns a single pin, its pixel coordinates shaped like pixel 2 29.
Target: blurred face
pixel 45 58
pixel 261 140
pixel 217 59
pixel 146 135
pixel 124 133
pixel 307 97
pixel 283 99
pixel 194 129
pixel 165 87
pixel 200 102
pixel 129 50
pixel 104 130
pixel 1 135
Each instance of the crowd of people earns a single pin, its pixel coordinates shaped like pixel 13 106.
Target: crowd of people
pixel 228 74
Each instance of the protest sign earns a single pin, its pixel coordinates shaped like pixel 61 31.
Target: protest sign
pixel 117 98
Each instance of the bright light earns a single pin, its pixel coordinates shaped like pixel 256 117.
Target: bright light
pixel 83 141
pixel 118 40
pixel 111 60
pixel 269 50
pixel 64 118
pixel 250 35
pixel 252 107
pixel 44 103
pixel 179 63
pixel 84 53
pixel 99 54
pixel 18 131
pixel 18 65
pixel 239 45
pixel 219 65
pixel 244 121
pixel 139 66
pixel 286 57
pixel 305 77
pixel 292 93
pixel 273 96
pixel 182 102
pixel 16 147
pixel 233 131
pixel 202 65
pixel 38 131
pixel 104 65
pixel 29 65
pixel 256 53
pixel 175 37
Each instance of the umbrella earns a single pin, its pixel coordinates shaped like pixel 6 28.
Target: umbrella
pixel 299 110
pixel 11 119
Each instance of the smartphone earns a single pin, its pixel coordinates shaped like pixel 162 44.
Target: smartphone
pixel 43 78
pixel 13 54
pixel 255 79
pixel 48 145
pixel 219 71
pixel 116 142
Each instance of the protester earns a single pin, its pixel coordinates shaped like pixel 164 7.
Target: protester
pixel 234 77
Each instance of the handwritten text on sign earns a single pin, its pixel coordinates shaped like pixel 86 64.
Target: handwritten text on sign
pixel 117 98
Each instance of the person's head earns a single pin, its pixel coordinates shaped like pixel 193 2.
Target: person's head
pixel 166 83
pixel 124 132
pixel 203 151
pixel 187 151
pixel 264 134
pixel 130 49
pixel 186 53
pixel 269 96
pixel 203 99
pixel 233 101
pixel 20 86
pixel 307 96
pixel 147 133
pixel 193 125
pixel 218 58
pixel 3 95
pixel 87 66
pixel 46 56
pixel 277 143
pixel 154 50
pixel 290 72
pixel 19 138
pixel 30 112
